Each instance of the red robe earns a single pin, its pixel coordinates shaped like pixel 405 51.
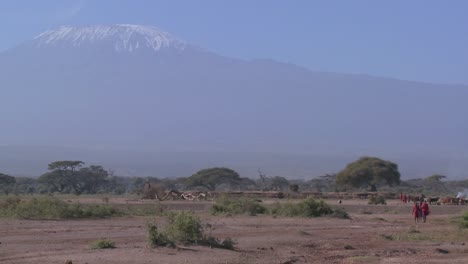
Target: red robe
pixel 416 210
pixel 425 209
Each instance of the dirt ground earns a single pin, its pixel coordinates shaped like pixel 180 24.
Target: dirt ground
pixel 375 234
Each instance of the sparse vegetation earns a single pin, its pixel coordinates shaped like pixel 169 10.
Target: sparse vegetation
pixel 377 200
pixel 102 243
pixel 157 238
pixel 413 230
pixel 348 247
pixel 464 221
pixel 340 213
pixel 227 205
pixel 185 227
pixel 52 208
pixel 306 208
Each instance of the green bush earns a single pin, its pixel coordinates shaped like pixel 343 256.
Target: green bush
pixel 340 213
pixel 52 208
pixel 377 200
pixel 307 208
pixel 102 243
pixel 213 242
pixel 184 227
pixel 226 205
pixel 464 221
pixel 8 206
pixel 156 238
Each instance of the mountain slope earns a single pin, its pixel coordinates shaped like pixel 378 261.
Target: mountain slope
pixel 82 87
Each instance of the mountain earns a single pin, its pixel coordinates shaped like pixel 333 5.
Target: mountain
pixel 122 87
pixel 120 38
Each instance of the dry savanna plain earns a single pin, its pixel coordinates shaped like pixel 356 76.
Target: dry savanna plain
pixel 374 234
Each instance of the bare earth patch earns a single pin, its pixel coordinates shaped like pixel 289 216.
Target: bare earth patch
pixel 375 234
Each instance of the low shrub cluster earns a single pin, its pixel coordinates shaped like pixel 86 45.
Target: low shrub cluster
pixel 377 200
pixel 102 244
pixel 340 213
pixel 226 205
pixel 464 221
pixel 185 227
pixel 307 208
pixel 51 208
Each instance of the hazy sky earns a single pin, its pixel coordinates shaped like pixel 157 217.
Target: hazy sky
pixel 414 40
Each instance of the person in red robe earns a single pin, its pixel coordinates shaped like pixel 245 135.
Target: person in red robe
pixel 401 197
pixel 425 211
pixel 416 212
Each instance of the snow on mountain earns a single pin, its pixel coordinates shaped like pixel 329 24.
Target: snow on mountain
pixel 122 37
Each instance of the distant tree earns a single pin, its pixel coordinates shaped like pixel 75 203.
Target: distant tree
pixel 435 183
pixel 278 183
pixel 65 165
pixel 247 184
pixel 91 179
pixel 370 172
pixel 62 177
pixel 6 183
pixel 294 188
pixel 26 185
pixel 324 183
pixel 271 183
pixel 212 177
pixel 330 181
pixel 263 180
pixel 53 181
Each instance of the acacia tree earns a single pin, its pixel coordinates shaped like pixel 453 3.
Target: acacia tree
pixel 369 172
pixel 62 177
pixel 212 177
pixel 434 182
pixel 92 178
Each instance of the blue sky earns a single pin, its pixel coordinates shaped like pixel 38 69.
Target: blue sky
pixel 412 40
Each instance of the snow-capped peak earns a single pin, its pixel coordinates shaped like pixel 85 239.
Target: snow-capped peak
pixel 122 37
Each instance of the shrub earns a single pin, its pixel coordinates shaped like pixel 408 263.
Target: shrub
pixel 184 227
pixel 226 205
pixel 156 238
pixel 45 208
pixel 8 206
pixel 340 213
pixel 307 208
pixel 464 221
pixel 52 208
pixel 226 243
pixel 377 200
pixel 413 230
pixel 102 243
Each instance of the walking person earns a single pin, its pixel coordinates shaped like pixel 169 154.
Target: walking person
pixel 425 211
pixel 420 210
pixel 416 212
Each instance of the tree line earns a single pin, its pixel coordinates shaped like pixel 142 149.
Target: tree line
pixel 73 177
pixel 366 173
